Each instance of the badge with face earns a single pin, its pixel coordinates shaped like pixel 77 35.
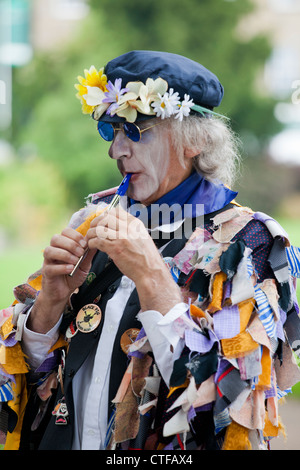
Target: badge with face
pixel 88 318
pixel 61 412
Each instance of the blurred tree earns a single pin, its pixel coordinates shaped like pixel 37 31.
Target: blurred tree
pixel 47 114
pixel 32 200
pixel 206 31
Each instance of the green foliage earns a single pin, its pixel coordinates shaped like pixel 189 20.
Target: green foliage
pixel 32 200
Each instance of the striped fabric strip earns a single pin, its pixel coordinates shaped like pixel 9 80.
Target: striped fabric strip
pixel 222 420
pixel 6 392
pixel 250 268
pixel 283 393
pixel 265 312
pixel 110 428
pixel 293 256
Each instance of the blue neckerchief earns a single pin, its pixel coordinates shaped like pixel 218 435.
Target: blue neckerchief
pixel 198 195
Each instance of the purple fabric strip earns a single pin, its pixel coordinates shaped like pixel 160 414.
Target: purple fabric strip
pixel 49 363
pixel 9 341
pixel 199 342
pixel 227 322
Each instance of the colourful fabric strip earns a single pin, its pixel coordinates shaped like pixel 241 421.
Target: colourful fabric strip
pixel 6 392
pixel 265 312
pixel 293 256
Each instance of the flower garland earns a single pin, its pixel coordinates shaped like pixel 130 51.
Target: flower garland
pixel 97 95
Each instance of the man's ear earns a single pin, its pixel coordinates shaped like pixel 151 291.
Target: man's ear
pixel 191 152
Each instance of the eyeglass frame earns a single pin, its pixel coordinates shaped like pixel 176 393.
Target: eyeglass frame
pixel 140 131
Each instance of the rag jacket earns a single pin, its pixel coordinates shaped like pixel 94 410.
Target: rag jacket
pixel 234 348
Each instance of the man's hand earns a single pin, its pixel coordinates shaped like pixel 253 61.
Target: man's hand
pixel 60 257
pixel 127 242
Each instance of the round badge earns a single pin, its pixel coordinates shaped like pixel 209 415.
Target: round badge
pixel 128 338
pixel 88 318
pixel 90 277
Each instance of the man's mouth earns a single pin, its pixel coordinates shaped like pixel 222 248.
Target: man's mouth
pixel 134 174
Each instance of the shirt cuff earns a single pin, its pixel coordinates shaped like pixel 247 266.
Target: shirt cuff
pixel 37 345
pixel 164 339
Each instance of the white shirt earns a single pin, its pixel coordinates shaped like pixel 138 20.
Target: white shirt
pixel 91 382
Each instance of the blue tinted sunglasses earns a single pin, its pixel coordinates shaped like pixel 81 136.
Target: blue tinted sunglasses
pixel 131 130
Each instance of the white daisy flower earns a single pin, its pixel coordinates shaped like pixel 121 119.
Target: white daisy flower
pixel 184 108
pixel 167 104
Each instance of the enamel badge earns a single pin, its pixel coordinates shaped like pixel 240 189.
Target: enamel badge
pixel 61 412
pixel 88 318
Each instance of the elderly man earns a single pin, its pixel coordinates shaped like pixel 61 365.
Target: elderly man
pixel 161 323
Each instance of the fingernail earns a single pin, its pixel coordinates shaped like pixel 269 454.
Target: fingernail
pixel 82 243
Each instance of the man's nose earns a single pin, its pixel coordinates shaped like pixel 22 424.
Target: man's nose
pixel 120 146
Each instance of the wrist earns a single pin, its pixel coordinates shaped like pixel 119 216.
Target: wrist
pixel 158 291
pixel 45 313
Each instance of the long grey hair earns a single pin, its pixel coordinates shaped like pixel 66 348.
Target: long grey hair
pixel 219 157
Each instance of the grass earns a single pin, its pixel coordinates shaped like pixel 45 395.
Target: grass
pixel 16 264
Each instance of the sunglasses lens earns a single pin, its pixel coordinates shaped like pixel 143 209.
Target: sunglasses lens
pixel 132 131
pixel 106 130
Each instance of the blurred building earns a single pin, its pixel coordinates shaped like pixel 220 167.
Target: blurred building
pixel 27 26
pixel 280 20
pixel 55 21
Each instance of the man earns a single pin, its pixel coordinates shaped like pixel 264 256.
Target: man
pixel 161 323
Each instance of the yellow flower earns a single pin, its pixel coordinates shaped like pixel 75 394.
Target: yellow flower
pixel 92 78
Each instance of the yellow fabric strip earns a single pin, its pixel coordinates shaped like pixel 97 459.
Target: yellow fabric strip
pixel 6 328
pixel 264 380
pixel 84 227
pixel 217 292
pixel 239 345
pixel 197 311
pixel 273 431
pixel 245 309
pixel 236 438
pixel 18 405
pixel 13 360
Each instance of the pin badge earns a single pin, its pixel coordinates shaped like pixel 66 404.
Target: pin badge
pixel 61 412
pixel 128 338
pixel 90 277
pixel 71 330
pixel 88 318
pixel 97 299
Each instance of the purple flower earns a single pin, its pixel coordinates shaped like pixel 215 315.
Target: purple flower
pixel 113 95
